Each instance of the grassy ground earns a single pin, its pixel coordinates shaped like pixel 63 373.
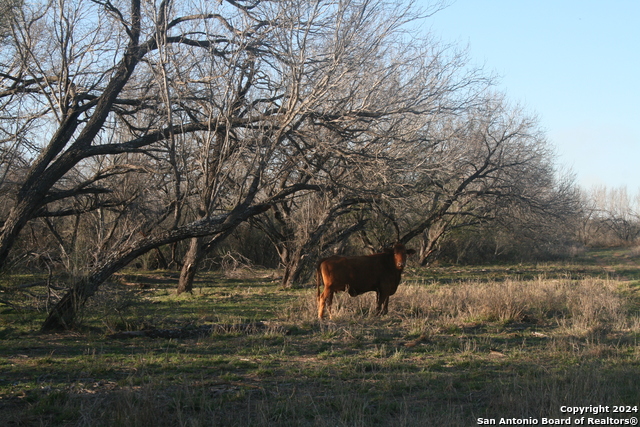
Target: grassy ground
pixel 461 346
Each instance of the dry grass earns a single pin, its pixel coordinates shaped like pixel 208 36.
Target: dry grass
pixel 574 306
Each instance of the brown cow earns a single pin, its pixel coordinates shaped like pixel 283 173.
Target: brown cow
pixel 359 274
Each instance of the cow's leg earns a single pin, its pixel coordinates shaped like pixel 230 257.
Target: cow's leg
pixel 385 305
pixel 329 301
pixel 321 299
pixel 382 301
pixel 325 299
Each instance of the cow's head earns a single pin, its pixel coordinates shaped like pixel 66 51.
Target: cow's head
pixel 400 253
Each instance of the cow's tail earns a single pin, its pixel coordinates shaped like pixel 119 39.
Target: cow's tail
pixel 319 279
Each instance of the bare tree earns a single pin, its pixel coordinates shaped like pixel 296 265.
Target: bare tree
pixel 611 216
pixel 482 165
pixel 97 77
pixel 347 83
pixel 304 228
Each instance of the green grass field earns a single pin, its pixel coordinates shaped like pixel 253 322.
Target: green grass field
pixel 461 346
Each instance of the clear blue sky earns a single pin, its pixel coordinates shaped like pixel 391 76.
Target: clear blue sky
pixel 574 63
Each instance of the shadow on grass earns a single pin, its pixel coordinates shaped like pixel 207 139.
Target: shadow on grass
pixel 275 380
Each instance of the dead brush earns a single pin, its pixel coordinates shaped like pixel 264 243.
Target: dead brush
pixel 577 306
pixel 506 301
pixel 595 308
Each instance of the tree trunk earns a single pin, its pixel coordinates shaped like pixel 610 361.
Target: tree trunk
pixel 53 163
pixel 426 249
pixel 287 277
pixel 196 253
pixel 430 238
pixel 289 268
pixel 190 265
pixel 63 314
pixel 294 270
pixel 18 218
pixel 161 261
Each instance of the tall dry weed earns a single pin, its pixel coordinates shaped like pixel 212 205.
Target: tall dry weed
pixel 580 306
pixel 579 303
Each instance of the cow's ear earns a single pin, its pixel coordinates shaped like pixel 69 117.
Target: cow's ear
pixel 388 250
pixel 411 251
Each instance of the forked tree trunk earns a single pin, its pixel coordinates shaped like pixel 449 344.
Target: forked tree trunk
pixel 430 238
pixel 293 270
pixel 190 265
pixel 198 249
pixel 426 249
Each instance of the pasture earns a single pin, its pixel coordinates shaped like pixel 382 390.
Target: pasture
pixel 460 346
